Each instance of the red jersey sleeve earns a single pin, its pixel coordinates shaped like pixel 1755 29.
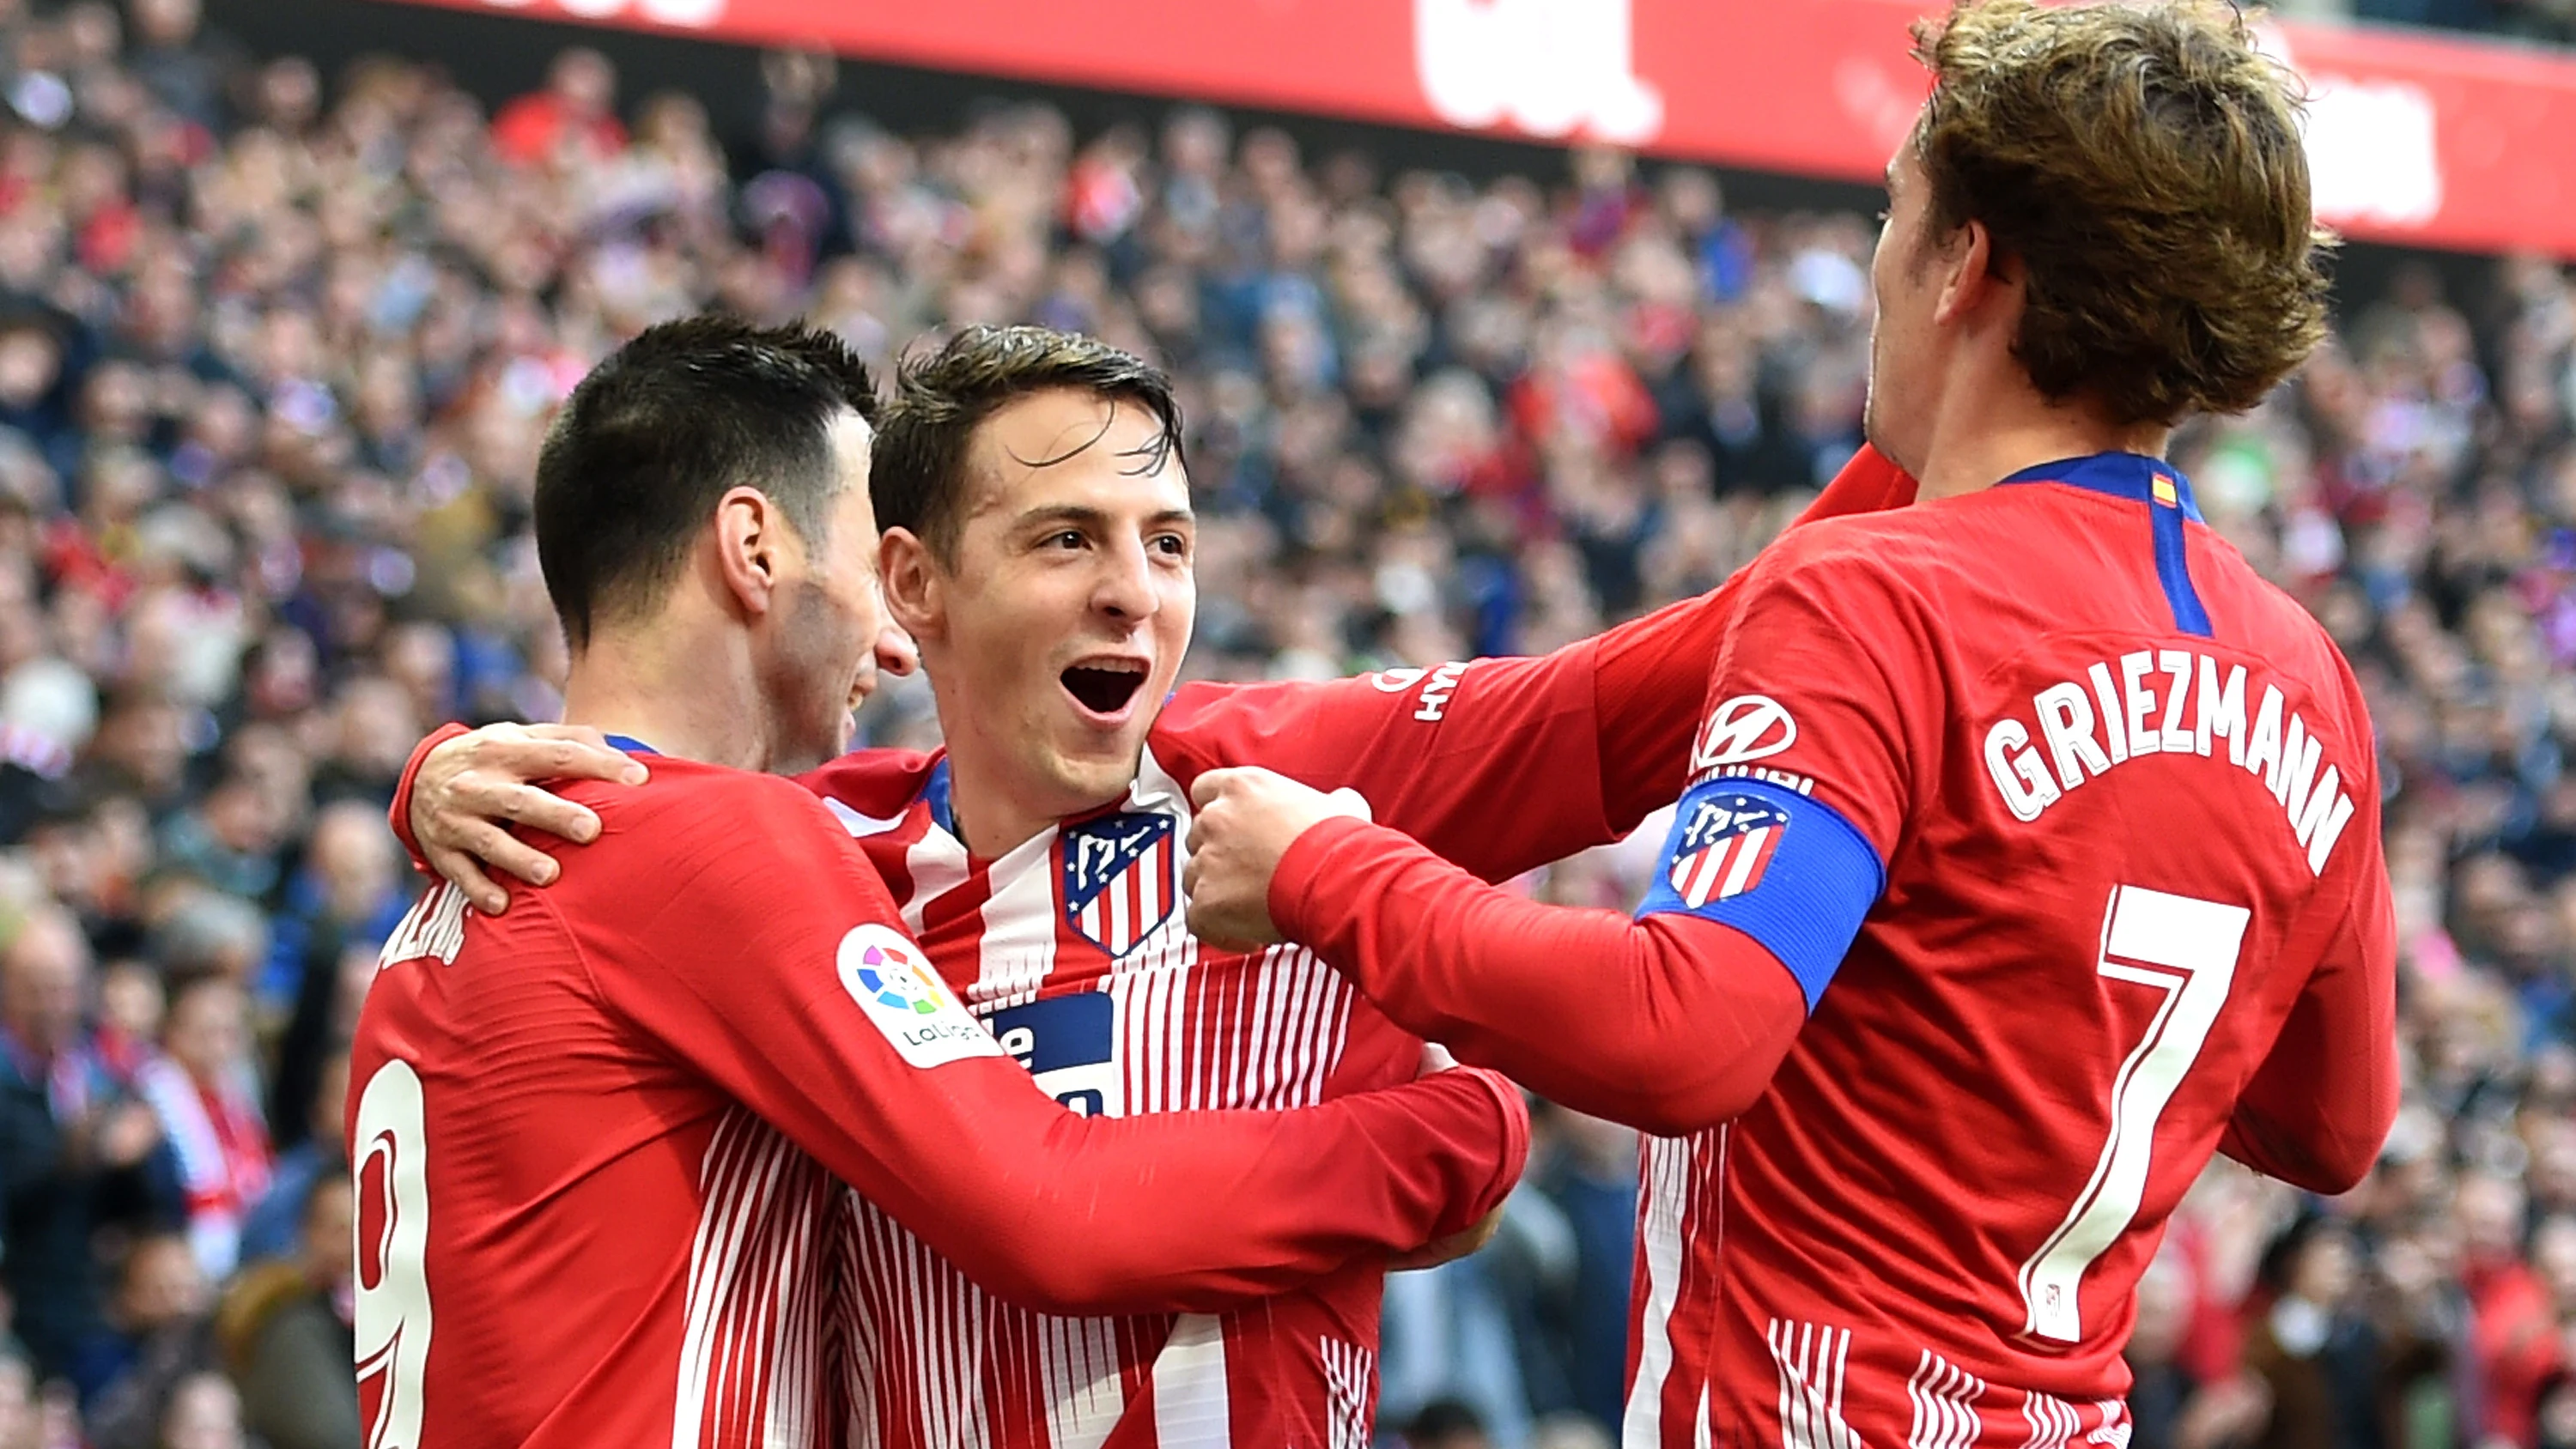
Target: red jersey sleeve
pixel 1682 1015
pixel 765 952
pixel 400 811
pixel 1502 765
pixel 2318 1107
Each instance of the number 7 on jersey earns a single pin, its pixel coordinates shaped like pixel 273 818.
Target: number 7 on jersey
pixel 2186 948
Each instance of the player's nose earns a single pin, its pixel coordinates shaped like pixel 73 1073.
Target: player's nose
pixel 1125 587
pixel 895 653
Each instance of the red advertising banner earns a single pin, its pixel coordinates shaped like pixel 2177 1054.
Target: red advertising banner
pixel 2441 142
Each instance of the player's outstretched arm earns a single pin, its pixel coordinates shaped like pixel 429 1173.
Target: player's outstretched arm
pixel 1502 765
pixel 2319 1107
pixel 1669 1023
pixel 768 955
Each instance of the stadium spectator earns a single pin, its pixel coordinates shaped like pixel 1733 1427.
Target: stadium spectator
pixel 275 1227
pixel 286 1331
pixel 75 1149
pixel 201 1090
pixel 157 1334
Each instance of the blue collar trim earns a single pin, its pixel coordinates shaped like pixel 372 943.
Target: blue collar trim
pixel 2167 497
pixel 2133 476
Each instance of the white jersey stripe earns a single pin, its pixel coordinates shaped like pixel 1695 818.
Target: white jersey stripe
pixel 2053 1422
pixel 1810 1359
pixel 937 864
pixel 1190 1406
pixel 1664 1163
pixel 1348 1372
pixel 1945 1399
pixel 1149 886
pixel 1018 943
pixel 1079 1372
pixel 752 1327
pixel 1747 851
pixel 1704 874
pixel 2113 1432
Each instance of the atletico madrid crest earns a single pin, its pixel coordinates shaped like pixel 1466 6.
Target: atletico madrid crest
pixel 1121 878
pixel 1725 847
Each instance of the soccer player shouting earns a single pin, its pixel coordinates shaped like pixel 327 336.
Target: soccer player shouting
pixel 2032 848
pixel 596 1139
pixel 1038 546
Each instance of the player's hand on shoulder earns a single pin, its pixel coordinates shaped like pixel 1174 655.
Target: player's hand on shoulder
pixel 472 788
pixel 1247 818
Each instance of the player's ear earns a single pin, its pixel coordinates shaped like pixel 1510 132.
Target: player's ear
pixel 750 543
pixel 916 592
pixel 1973 273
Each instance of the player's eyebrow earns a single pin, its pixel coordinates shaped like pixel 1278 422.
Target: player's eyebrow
pixel 1082 515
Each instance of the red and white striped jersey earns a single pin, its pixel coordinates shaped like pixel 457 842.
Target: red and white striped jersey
pixel 1072 947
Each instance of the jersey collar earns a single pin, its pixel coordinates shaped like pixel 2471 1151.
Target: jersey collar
pixel 2133 476
pixel 935 791
pixel 631 745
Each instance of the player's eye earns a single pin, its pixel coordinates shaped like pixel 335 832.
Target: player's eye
pixel 1062 538
pixel 1171 544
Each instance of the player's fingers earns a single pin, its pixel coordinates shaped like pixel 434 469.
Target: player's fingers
pixel 506 853
pixel 539 809
pixel 586 734
pixel 558 758
pixel 466 875
pixel 1214 783
pixel 479 800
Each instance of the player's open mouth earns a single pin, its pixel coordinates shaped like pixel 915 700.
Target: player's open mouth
pixel 1104 686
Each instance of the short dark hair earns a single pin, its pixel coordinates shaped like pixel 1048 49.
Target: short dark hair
pixel 655 435
pixel 2143 162
pixel 918 477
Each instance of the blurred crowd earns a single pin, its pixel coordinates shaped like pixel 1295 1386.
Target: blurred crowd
pixel 276 354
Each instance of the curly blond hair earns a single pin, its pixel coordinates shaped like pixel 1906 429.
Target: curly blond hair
pixel 2142 162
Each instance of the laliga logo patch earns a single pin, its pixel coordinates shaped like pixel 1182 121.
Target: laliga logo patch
pixel 899 991
pixel 1747 727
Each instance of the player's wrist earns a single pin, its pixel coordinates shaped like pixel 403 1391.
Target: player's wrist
pixel 1513 1155
pixel 1306 863
pixel 398 813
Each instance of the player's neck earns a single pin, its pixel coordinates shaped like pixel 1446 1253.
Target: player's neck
pixel 688 698
pixel 993 817
pixel 1995 431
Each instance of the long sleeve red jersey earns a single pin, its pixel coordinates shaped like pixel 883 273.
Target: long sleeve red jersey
pixel 2065 826
pixel 597 1143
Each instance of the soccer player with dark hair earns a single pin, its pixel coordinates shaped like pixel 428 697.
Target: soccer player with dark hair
pixel 596 1140
pixel 1038 545
pixel 2032 849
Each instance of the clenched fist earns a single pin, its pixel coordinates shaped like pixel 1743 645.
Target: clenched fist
pixel 1247 819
